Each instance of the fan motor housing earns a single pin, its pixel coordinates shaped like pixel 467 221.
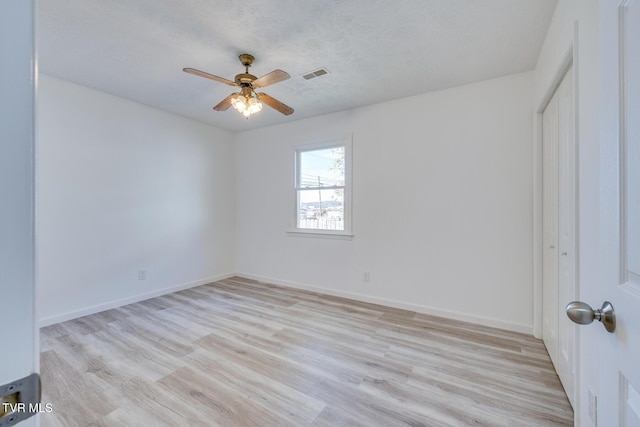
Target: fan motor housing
pixel 245 78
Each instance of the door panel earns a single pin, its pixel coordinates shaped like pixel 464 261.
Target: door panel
pixel 631 139
pixel 630 413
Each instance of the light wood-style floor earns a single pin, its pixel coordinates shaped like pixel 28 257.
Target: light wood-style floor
pixel 242 353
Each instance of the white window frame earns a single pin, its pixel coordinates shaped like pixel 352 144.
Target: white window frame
pixel 347 233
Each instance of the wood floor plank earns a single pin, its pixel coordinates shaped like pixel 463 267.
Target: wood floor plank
pixel 240 352
pixel 64 386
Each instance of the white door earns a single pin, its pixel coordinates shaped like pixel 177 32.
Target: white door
pixel 18 351
pixel 615 273
pixel 550 276
pixel 559 224
pixel 566 232
pixel 620 352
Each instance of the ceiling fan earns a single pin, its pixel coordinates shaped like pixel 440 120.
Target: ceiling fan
pixel 247 100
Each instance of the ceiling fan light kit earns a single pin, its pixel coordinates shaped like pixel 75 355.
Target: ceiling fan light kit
pixel 248 101
pixel 246 106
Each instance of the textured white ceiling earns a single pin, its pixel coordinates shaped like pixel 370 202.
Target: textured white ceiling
pixel 375 50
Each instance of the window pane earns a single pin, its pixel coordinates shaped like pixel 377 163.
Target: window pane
pixel 322 168
pixel 321 209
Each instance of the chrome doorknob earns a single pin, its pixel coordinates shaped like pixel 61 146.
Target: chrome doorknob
pixel 582 314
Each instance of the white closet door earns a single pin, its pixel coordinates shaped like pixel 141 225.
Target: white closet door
pixel 566 233
pixel 550 228
pixel 559 223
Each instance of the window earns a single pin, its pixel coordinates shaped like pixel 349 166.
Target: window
pixel 323 188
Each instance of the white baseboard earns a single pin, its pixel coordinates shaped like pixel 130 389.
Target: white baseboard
pixel 486 321
pixel 480 320
pixel 129 300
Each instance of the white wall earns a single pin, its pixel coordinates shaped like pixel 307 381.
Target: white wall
pixel 442 204
pixel 123 187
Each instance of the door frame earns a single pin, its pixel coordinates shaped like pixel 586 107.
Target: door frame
pixel 18 311
pixel 570 60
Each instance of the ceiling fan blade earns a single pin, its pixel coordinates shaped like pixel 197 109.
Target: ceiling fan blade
pixel 224 104
pixel 275 104
pixel 209 76
pixel 271 78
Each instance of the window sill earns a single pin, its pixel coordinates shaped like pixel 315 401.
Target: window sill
pixel 320 234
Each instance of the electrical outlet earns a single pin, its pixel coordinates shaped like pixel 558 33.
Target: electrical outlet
pixel 593 407
pixel 365 276
pixel 142 274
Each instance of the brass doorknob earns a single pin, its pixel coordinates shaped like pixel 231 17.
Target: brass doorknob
pixel 582 314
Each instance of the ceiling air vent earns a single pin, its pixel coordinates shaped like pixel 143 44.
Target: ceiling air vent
pixel 316 73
